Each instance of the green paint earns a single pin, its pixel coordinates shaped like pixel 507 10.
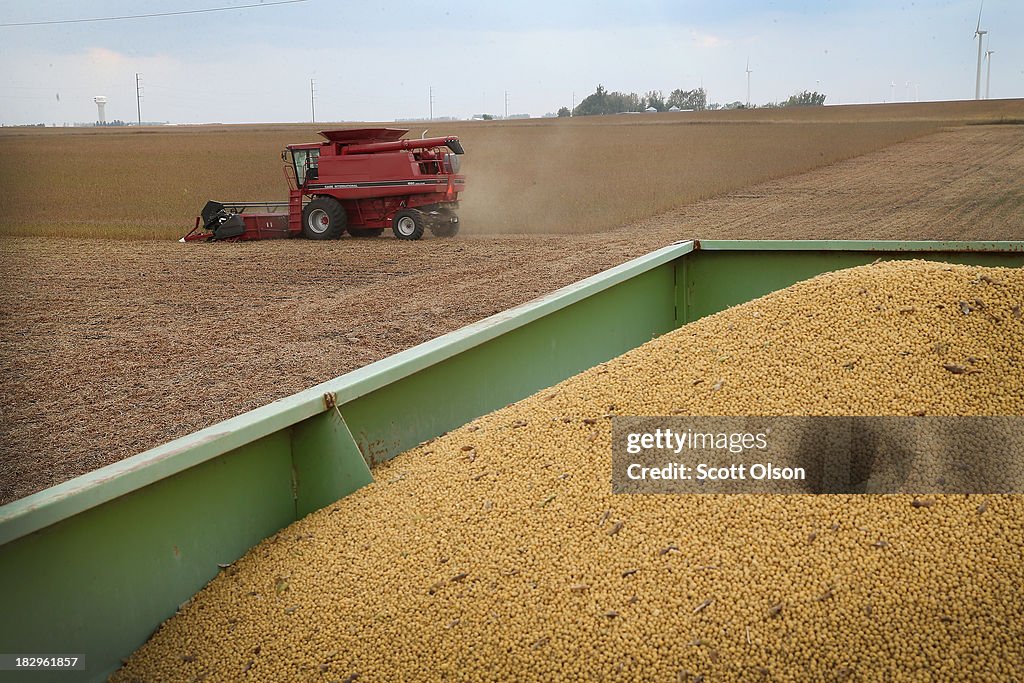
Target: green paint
pixel 100 582
pixel 327 463
pixel 725 273
pixel 512 366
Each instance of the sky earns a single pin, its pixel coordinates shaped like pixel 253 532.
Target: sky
pixel 379 61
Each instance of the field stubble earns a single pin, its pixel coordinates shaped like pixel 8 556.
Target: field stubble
pixel 534 176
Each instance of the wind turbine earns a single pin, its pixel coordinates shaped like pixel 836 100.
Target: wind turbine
pixel 892 91
pixel 981 36
pixel 988 74
pixel 748 82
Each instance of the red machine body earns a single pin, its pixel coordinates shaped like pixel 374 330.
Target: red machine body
pixel 361 181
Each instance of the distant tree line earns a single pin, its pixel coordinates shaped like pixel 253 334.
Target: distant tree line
pixel 601 101
pixel 801 99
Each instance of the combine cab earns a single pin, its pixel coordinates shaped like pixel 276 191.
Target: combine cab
pixel 362 181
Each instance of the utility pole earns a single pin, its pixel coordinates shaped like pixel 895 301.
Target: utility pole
pixel 430 99
pixel 312 99
pixel 138 96
pixel 573 104
pixel 506 104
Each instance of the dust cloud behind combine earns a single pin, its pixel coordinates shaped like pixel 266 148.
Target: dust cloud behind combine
pixel 570 178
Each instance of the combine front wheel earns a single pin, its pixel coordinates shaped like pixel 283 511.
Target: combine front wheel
pixel 323 219
pixel 407 225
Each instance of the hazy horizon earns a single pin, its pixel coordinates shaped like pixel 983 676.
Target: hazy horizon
pixel 376 63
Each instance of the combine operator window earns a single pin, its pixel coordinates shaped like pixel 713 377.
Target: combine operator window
pixel 305 161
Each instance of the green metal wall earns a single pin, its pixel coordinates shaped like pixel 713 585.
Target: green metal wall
pixel 723 273
pixel 94 565
pixel 514 365
pixel 98 583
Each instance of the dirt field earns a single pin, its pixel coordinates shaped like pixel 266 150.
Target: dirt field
pixel 111 347
pixel 534 176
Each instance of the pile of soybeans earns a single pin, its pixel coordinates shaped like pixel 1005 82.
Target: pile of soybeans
pixel 497 552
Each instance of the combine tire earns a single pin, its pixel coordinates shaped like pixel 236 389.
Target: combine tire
pixel 323 219
pixel 365 232
pixel 407 225
pixel 443 224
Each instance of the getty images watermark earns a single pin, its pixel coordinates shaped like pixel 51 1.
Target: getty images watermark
pixel 917 455
pixel 673 441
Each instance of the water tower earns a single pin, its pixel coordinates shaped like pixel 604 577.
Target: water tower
pixel 101 103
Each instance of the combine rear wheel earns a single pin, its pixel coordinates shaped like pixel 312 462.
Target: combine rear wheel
pixel 323 219
pixel 407 225
pixel 445 224
pixel 366 232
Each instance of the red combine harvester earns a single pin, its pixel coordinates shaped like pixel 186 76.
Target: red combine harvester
pixel 361 180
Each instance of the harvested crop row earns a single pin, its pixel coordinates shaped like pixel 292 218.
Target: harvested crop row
pixel 496 552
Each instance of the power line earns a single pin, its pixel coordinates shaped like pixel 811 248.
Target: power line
pixel 149 16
